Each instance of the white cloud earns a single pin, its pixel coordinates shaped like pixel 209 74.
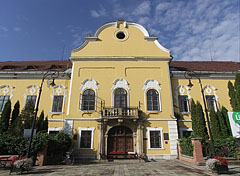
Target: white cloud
pixel 193 30
pixel 98 13
pixel 3 28
pixel 17 29
pixel 143 9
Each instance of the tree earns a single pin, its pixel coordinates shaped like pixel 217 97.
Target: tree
pixel 15 112
pixel 27 114
pixel 224 112
pixel 198 121
pixel 41 124
pixel 215 126
pixel 234 93
pixel 5 117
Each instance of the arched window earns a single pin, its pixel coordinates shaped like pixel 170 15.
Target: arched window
pixel 88 100
pixel 152 100
pixel 120 98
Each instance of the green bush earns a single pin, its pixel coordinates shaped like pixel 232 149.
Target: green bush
pixel 17 145
pixel 186 146
pixel 227 147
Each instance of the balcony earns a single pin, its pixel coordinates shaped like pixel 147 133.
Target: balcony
pixel 116 113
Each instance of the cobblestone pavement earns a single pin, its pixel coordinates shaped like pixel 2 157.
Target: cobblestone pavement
pixel 123 168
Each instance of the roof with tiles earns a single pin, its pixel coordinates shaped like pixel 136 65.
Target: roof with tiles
pixel 62 65
pixel 31 66
pixel 210 66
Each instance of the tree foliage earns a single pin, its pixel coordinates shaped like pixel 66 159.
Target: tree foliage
pixel 5 117
pixel 42 124
pixel 15 112
pixel 27 114
pixel 198 121
pixel 215 126
pixel 234 93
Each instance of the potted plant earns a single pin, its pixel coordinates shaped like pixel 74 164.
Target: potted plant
pixel 217 164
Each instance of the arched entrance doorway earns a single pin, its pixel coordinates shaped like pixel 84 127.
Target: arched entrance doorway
pixel 120 142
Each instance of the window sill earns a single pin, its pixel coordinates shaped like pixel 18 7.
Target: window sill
pixel 156 148
pixel 85 149
pixel 184 113
pixel 92 111
pixel 56 112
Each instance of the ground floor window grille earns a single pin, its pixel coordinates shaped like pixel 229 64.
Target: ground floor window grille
pixel 155 139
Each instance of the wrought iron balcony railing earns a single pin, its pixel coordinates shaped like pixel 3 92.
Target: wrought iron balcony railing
pixel 119 113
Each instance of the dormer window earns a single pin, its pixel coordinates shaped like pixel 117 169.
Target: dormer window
pixel 8 67
pixel 31 67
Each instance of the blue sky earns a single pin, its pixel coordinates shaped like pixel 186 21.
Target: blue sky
pixel 191 29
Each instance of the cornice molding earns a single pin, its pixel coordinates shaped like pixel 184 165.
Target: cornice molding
pixel 120 58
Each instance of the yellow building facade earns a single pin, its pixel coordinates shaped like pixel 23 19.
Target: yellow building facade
pixel 118 93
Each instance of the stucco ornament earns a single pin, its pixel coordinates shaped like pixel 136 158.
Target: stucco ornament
pixel 89 84
pixel 120 83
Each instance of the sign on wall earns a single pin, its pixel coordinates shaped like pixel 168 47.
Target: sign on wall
pixel 234 118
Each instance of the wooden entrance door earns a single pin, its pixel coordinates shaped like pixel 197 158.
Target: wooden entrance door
pixel 120 141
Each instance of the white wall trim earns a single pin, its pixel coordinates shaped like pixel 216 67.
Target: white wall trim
pixel 59 129
pixel 173 136
pixel 70 90
pixel 6 90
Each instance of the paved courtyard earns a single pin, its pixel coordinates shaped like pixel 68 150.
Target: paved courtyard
pixel 123 168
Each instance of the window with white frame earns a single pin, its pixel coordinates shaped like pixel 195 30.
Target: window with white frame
pixel 211 97
pixel 3 101
pixel 155 138
pixel 152 98
pixel 86 138
pixel 211 102
pixel 88 97
pixel 88 100
pixel 120 98
pixel 6 93
pixel 31 98
pixel 182 97
pixel 57 103
pixel 183 103
pixel 185 132
pixel 58 97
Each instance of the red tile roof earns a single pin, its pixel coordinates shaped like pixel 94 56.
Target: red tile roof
pixel 12 66
pixel 61 65
pixel 211 66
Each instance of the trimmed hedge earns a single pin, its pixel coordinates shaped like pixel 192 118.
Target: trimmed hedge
pixel 186 146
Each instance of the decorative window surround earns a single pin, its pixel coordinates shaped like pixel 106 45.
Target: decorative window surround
pixel 182 90
pixel 92 129
pixel 7 90
pixel 210 90
pixel 31 90
pixel 148 134
pixel 152 84
pixel 120 83
pixel 59 90
pixel 89 84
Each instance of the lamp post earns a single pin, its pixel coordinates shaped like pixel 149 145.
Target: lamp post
pixel 53 75
pixel 189 75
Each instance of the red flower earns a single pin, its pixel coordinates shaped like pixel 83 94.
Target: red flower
pixel 221 160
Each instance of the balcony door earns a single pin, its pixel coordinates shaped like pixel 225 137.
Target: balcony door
pixel 120 141
pixel 120 98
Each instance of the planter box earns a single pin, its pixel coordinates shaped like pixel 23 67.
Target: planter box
pixel 220 169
